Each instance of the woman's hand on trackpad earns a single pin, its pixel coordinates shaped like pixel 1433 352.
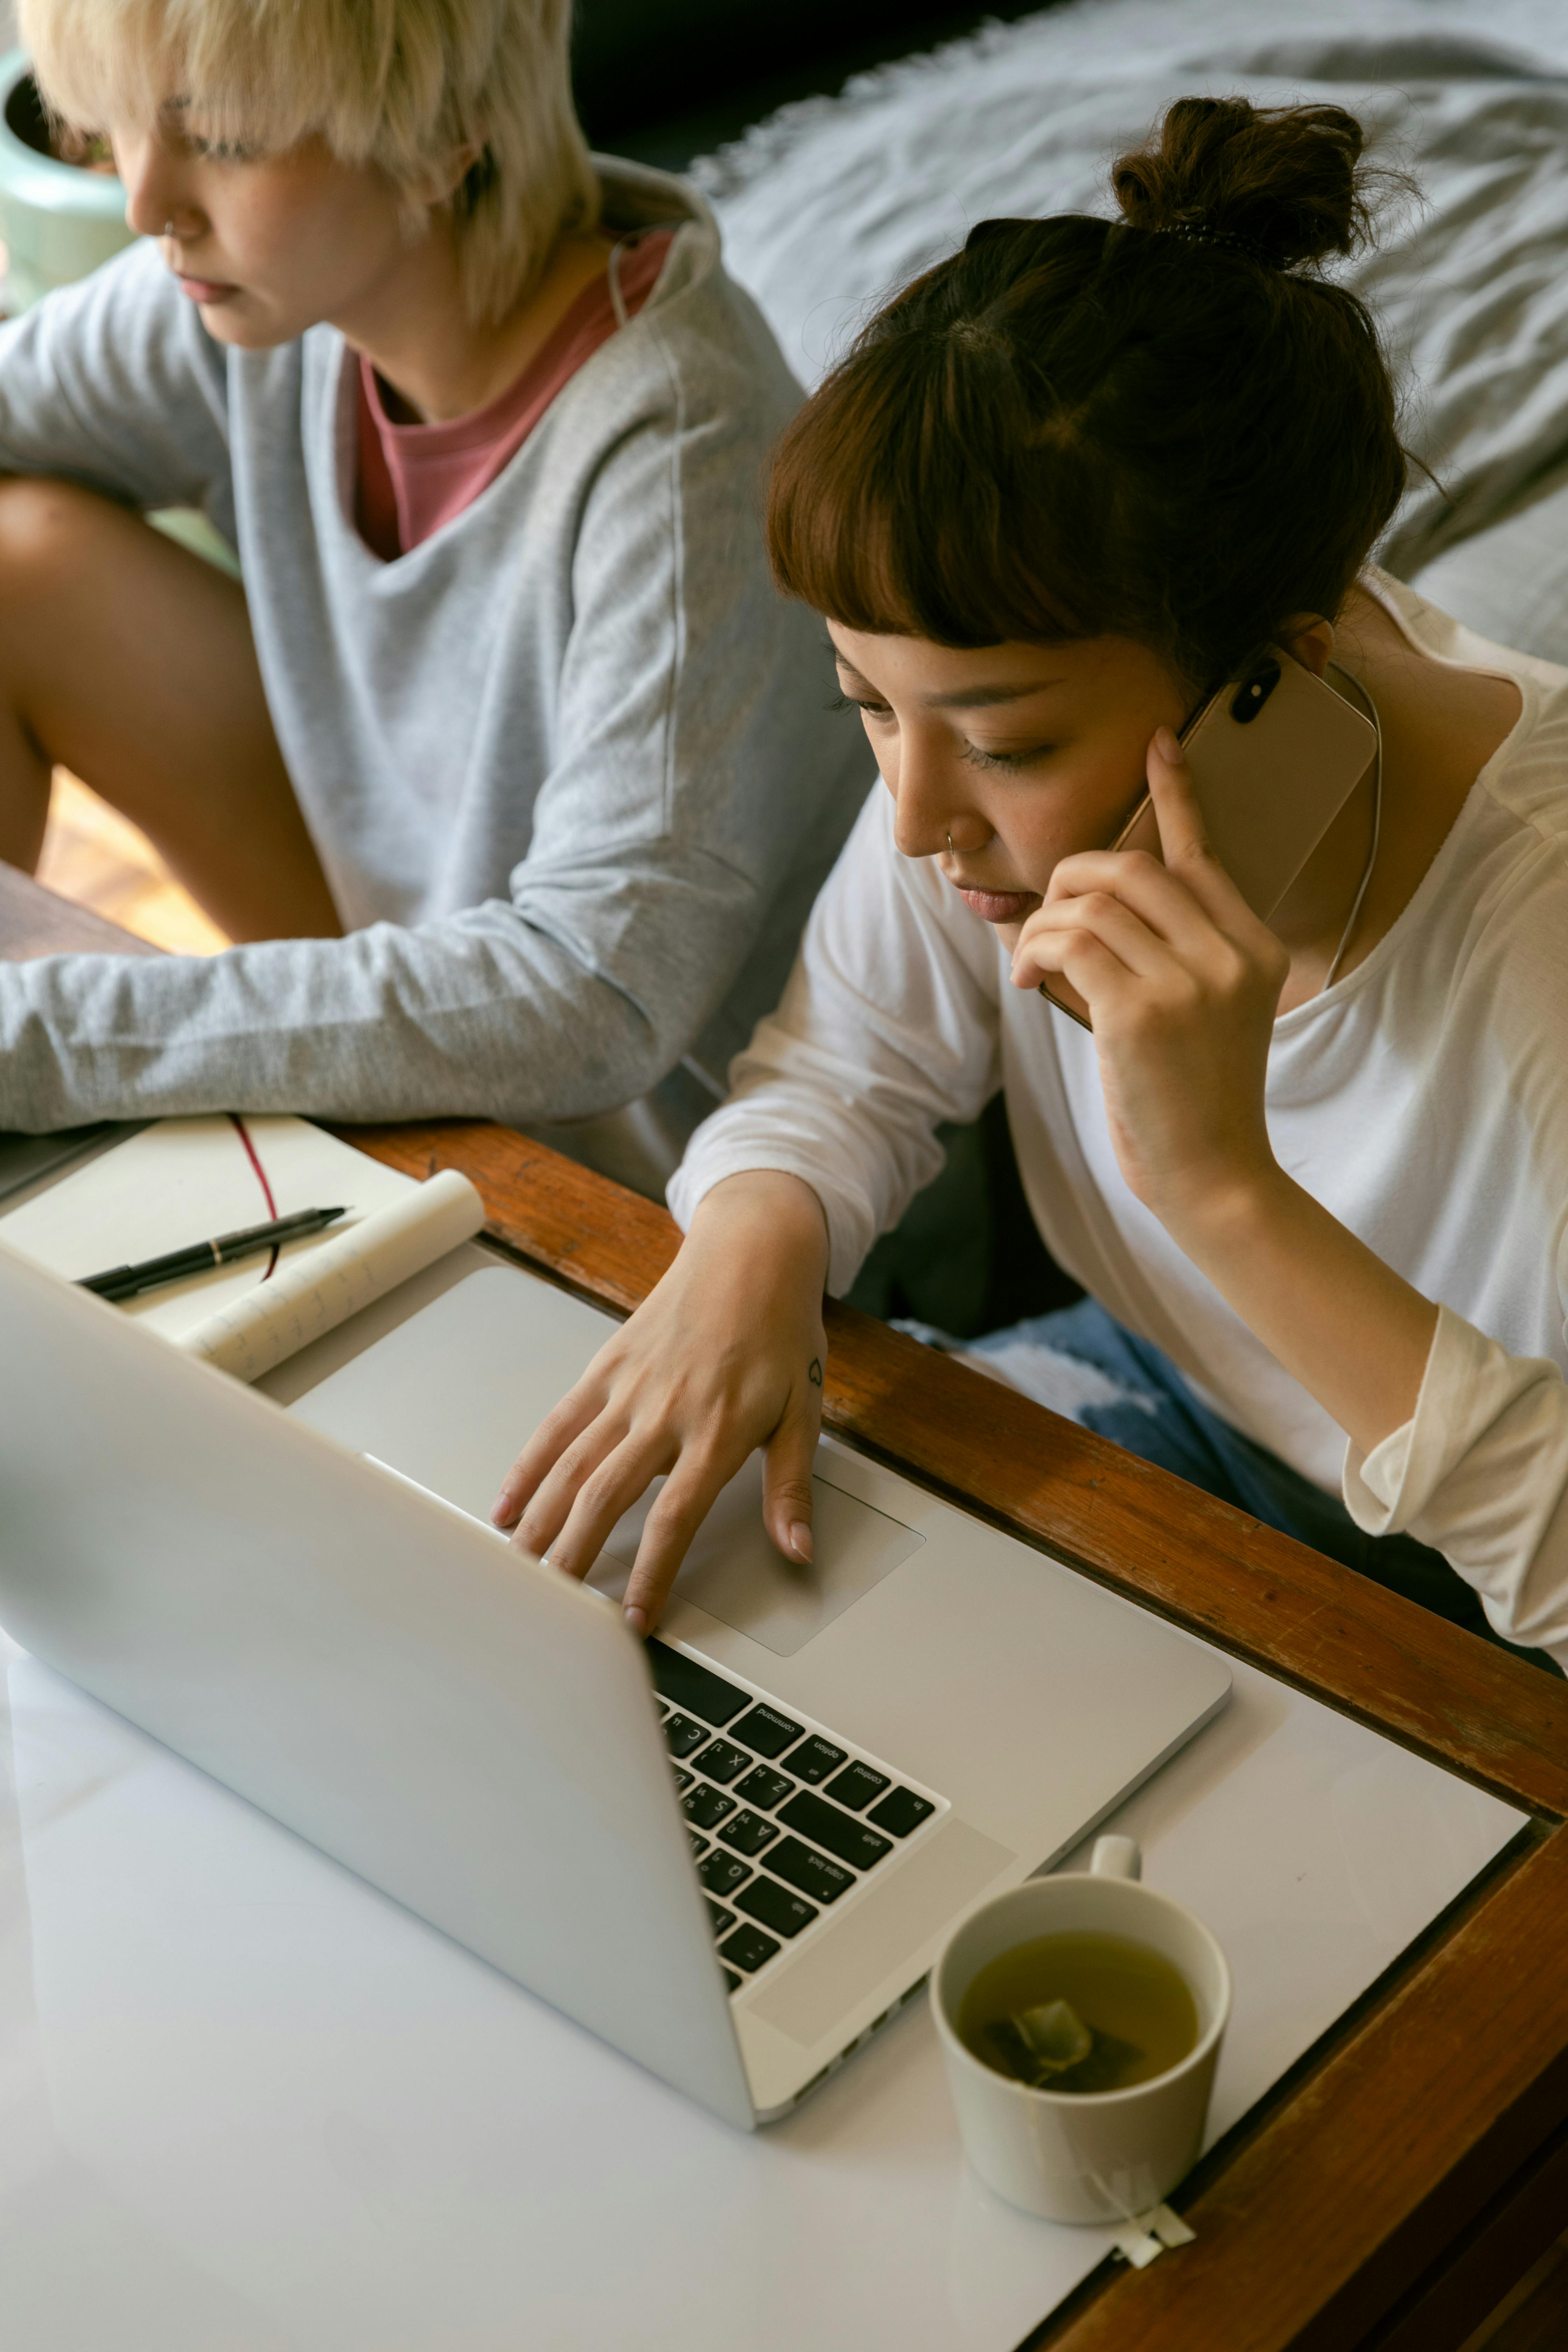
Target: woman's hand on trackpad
pixel 726 1354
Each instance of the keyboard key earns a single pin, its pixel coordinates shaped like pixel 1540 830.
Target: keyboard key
pixel 706 1807
pixel 856 1785
pixel 682 1734
pixel 683 1779
pixel 699 1842
pixel 696 1688
pixel 901 1812
pixel 720 1761
pixel 748 1949
pixel 718 1918
pixel 815 1758
pixel 785 1913
pixel 763 1788
pixel 748 1834
pixel 812 1872
pixel 732 1981
pixel 824 1825
pixel 766 1730
pixel 722 1872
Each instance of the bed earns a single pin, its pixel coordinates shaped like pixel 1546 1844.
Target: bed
pixel 832 202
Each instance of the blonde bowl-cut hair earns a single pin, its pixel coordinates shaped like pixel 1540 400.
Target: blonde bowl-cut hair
pixel 404 85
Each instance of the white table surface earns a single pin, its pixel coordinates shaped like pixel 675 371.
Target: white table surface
pixel 247 2103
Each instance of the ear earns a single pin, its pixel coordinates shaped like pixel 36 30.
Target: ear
pixel 1308 638
pixel 439 182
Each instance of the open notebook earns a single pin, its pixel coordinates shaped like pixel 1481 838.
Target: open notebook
pixel 186 1180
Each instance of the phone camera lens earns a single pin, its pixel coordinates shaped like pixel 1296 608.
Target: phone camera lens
pixel 1255 690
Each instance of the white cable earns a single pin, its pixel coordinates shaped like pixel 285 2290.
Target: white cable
pixel 613 271
pixel 1355 684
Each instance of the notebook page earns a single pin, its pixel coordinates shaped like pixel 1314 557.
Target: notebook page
pixel 311 1295
pixel 184 1180
pixel 187 1180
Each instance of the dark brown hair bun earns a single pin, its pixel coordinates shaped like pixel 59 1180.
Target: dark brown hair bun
pixel 1285 180
pixel 1074 428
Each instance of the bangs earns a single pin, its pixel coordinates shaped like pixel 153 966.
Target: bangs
pixel 893 504
pixel 405 85
pixel 253 75
pixel 1077 427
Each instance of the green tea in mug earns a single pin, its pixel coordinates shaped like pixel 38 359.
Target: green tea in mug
pixel 1082 2011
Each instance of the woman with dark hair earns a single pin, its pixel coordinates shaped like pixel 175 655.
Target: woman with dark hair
pixel 1310 1174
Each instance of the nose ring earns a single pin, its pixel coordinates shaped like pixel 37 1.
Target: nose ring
pixel 950 844
pixel 168 228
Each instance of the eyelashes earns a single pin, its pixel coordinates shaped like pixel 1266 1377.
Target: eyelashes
pixel 1004 763
pixel 1007 762
pixel 219 151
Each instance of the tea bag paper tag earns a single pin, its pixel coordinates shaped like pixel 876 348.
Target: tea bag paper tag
pixel 1147 2234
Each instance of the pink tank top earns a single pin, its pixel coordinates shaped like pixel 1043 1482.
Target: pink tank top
pixel 414 477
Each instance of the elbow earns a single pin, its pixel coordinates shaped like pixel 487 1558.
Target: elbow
pixel 590 1070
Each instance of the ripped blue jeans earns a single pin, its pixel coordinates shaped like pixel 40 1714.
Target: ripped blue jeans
pixel 1082 1364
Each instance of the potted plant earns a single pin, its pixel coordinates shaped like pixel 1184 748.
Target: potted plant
pixel 62 208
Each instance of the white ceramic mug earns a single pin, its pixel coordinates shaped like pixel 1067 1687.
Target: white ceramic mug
pixel 1098 2155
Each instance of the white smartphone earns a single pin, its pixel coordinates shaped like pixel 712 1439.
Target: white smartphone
pixel 1274 757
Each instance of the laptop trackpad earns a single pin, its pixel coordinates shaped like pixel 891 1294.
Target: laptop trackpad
pixel 733 1571
pixel 445 1395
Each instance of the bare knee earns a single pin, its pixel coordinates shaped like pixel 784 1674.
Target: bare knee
pixel 51 531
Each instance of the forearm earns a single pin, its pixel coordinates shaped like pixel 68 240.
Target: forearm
pixel 1354 1334
pixel 1452 1440
pixel 860 1169
pixel 767 1229
pixel 483 1014
pixel 1481 1473
pixel 842 1087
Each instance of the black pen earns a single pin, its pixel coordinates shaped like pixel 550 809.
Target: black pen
pixel 126 1281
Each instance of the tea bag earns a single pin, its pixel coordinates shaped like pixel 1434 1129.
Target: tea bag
pixel 1050 2048
pixel 1054 2035
pixel 1040 2043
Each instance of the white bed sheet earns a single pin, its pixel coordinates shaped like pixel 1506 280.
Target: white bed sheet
pixel 832 204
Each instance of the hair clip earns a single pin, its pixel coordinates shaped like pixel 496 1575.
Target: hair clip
pixel 1200 233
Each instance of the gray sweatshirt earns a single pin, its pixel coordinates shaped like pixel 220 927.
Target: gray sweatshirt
pixel 569 765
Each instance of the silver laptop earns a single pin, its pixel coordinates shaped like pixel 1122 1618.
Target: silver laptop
pixel 733 1853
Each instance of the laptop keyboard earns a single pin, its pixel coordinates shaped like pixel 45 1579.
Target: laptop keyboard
pixel 784 1819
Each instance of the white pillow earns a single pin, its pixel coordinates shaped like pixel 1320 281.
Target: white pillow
pixel 1511 582
pixel 833 203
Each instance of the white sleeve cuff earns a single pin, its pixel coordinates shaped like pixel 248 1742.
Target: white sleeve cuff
pixel 1481 1473
pixel 851 1228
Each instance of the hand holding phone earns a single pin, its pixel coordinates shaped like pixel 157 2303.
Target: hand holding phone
pixel 1184 981
pixel 1273 757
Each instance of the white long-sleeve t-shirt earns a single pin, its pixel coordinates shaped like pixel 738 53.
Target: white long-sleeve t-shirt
pixel 1422 1100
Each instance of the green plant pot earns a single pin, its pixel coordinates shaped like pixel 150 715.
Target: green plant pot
pixel 59 222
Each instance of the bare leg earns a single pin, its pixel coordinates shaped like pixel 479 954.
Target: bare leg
pixel 130 661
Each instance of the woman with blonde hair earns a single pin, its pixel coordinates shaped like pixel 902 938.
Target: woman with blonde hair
pixel 508 765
